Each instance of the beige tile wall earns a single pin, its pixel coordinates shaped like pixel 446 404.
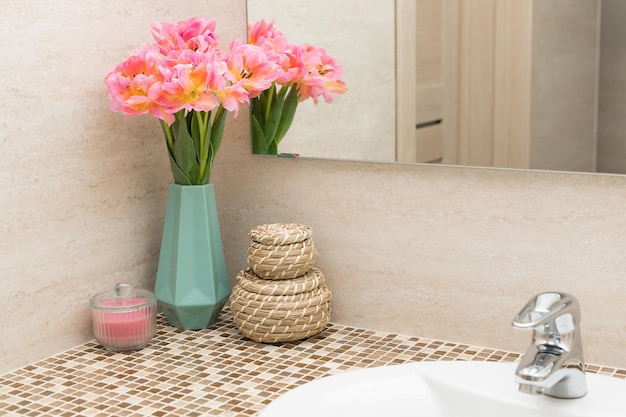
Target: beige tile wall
pixel 449 253
pixel 83 189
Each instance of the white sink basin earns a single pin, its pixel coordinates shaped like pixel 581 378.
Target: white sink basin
pixel 442 389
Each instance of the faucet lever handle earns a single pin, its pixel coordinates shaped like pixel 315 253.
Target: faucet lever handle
pixel 546 307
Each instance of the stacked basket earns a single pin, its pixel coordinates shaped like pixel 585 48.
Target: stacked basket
pixel 281 296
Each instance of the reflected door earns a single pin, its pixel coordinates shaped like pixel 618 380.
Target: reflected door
pixel 420 54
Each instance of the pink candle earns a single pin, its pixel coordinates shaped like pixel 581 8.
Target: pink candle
pixel 123 321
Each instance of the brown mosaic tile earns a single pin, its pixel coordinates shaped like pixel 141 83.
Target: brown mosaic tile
pixel 212 372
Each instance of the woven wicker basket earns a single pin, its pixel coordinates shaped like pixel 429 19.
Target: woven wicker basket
pixel 281 261
pixel 252 283
pixel 280 311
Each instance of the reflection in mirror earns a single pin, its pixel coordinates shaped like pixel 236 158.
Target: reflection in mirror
pixel 533 84
pixel 357 125
pixel 285 74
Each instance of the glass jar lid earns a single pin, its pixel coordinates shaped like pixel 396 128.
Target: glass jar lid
pixel 123 298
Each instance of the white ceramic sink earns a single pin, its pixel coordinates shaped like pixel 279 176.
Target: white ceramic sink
pixel 442 389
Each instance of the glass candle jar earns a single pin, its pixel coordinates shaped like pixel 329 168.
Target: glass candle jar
pixel 124 320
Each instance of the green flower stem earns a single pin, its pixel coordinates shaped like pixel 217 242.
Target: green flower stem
pixel 203 123
pixel 270 96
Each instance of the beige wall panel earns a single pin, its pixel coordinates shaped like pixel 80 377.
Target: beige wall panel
pixel 429 42
pixel 476 86
pixel 512 83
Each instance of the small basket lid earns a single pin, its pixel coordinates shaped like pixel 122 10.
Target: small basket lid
pixel 280 233
pixel 123 298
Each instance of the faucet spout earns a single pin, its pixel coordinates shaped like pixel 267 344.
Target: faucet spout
pixel 553 364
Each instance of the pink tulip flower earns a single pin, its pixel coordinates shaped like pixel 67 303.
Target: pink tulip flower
pixel 322 77
pixel 249 66
pixel 195 33
pixel 135 86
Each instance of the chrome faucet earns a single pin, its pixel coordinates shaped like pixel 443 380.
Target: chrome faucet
pixel 553 364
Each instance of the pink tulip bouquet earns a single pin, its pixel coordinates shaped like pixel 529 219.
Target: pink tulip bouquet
pixel 187 82
pixel 301 72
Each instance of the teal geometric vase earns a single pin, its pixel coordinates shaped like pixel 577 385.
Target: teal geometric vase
pixel 191 284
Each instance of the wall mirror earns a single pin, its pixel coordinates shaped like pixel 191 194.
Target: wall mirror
pixel 536 84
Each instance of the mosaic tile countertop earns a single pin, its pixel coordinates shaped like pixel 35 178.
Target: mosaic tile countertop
pixel 210 372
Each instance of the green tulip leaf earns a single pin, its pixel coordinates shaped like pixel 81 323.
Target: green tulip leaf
pixel 179 176
pixel 196 132
pixel 271 127
pixel 256 110
pixel 272 148
pixel 259 145
pixel 184 147
pixel 288 114
pixel 218 130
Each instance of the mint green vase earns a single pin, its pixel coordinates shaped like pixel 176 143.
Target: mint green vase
pixel 191 284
